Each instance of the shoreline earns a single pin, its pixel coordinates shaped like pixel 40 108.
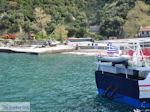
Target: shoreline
pixel 64 49
pixel 37 51
pixel 86 52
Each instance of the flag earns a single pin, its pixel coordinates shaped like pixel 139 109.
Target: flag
pixel 111 48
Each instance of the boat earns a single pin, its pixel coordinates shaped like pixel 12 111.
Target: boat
pixel 124 79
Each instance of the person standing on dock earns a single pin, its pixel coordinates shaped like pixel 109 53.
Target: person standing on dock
pixel 49 42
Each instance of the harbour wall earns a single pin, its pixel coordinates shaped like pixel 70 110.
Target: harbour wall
pixel 37 51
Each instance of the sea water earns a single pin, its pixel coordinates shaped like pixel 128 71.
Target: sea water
pixel 53 83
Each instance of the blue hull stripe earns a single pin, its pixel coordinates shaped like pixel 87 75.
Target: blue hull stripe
pixel 125 99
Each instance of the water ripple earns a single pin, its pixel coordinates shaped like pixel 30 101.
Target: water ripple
pixel 53 83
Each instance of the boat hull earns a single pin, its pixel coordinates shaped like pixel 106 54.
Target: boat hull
pixel 120 89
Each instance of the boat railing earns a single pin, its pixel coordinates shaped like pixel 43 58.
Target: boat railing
pixel 139 53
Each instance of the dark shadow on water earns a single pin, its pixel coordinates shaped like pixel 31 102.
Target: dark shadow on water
pixel 105 105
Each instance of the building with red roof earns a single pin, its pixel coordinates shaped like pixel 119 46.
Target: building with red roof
pixel 145 32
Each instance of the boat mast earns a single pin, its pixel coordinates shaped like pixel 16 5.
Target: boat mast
pixel 138 54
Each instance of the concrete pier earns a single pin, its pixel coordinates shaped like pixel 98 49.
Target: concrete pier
pixel 37 51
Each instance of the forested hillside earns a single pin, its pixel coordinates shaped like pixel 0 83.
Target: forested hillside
pixel 73 17
pixel 137 17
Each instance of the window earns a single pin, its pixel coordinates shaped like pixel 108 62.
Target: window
pixel 147 32
pixel 81 40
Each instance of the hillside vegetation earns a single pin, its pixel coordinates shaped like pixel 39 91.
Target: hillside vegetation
pixel 41 17
pixel 137 17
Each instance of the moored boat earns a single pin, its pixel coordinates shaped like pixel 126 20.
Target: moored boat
pixel 125 82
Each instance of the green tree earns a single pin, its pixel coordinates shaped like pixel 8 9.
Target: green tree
pixel 41 20
pixel 81 33
pixel 61 33
pixel 19 20
pixel 4 23
pixel 71 31
pixel 69 18
pixel 111 27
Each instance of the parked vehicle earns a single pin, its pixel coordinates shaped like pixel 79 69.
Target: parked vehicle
pixel 10 36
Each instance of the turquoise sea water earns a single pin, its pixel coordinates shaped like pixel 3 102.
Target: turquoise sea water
pixel 53 83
